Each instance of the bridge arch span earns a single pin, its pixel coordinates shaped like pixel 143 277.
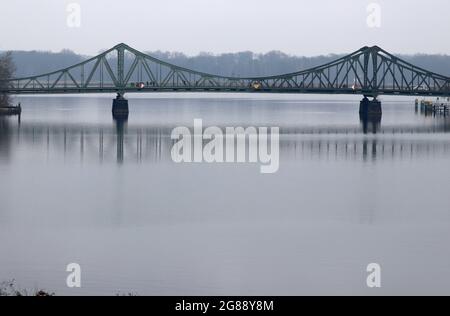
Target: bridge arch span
pixel 367 71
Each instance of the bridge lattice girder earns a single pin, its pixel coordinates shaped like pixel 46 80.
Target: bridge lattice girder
pixel 368 71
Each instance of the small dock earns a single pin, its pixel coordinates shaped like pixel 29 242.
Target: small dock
pixel 439 106
pixel 10 110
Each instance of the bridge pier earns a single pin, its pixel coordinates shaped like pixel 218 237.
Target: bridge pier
pixel 120 107
pixel 370 108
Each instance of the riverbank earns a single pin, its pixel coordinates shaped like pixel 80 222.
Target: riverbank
pixel 9 288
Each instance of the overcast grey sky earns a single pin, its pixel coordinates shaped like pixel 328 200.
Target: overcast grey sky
pixel 300 27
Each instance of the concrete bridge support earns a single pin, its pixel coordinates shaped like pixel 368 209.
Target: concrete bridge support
pixel 370 108
pixel 120 107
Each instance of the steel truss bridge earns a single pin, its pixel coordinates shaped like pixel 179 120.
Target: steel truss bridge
pixel 369 71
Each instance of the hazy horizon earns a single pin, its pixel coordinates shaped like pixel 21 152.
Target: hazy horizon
pixel 218 54
pixel 30 63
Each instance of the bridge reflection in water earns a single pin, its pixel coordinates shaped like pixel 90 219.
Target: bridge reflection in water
pixel 121 143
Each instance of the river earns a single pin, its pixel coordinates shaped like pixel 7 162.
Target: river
pixel 78 187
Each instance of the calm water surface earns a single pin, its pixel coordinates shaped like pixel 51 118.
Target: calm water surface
pixel 77 186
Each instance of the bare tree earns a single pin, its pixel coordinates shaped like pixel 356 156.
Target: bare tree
pixel 7 69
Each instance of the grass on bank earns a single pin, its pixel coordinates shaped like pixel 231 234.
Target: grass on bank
pixel 9 288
